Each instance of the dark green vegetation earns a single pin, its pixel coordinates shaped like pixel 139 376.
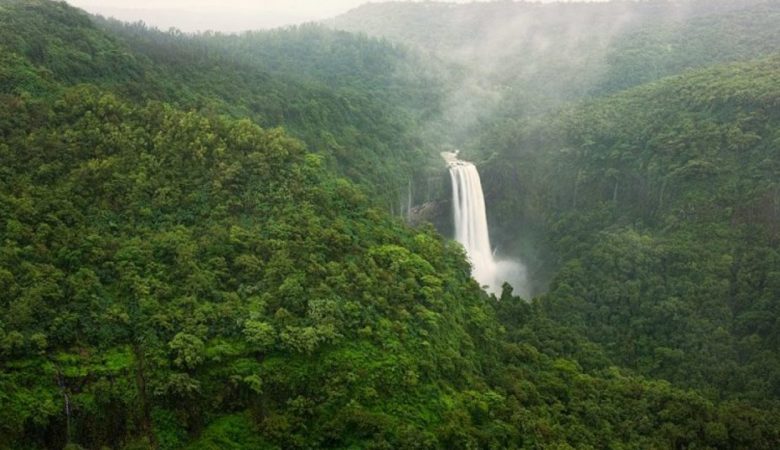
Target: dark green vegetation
pixel 344 108
pixel 526 59
pixel 660 205
pixel 667 229
pixel 650 205
pixel 177 272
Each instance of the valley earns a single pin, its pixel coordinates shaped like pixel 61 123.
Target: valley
pixel 414 225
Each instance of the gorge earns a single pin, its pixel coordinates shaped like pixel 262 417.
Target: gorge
pixel 217 241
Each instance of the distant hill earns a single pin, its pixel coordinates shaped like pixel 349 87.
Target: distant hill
pixel 200 245
pixel 322 86
pixel 630 155
pixel 560 51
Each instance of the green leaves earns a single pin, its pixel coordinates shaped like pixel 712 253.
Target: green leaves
pixel 261 335
pixel 227 292
pixel 171 276
pixel 188 350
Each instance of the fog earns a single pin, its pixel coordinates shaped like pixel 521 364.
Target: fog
pixel 226 15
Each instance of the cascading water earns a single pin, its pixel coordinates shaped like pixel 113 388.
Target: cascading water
pixel 471 229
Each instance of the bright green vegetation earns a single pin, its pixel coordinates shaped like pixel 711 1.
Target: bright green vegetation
pixel 647 207
pixel 257 283
pixel 667 229
pixel 198 249
pixel 347 107
pixel 259 301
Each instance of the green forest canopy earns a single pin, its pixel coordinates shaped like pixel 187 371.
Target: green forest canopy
pixel 197 250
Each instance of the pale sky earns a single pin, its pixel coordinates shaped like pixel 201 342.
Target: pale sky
pixel 224 15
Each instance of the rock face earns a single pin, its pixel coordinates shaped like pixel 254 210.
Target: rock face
pixel 434 212
pixel 430 201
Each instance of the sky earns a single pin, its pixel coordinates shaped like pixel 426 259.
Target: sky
pixel 219 15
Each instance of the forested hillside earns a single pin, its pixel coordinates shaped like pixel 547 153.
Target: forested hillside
pixel 524 58
pixel 631 158
pixel 370 138
pixel 200 248
pixel 260 303
pixel 667 227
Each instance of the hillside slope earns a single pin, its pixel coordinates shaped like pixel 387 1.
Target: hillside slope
pixel 629 156
pixel 370 138
pixel 667 227
pixel 523 58
pixel 171 280
pixel 178 270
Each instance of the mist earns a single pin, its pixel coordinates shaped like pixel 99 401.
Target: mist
pixel 503 65
pixel 229 16
pixel 224 16
pixel 338 224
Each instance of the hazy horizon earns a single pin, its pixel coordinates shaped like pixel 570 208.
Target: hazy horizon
pixel 226 15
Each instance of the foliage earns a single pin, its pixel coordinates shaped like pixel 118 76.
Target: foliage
pixel 347 108
pixel 178 271
pixel 666 233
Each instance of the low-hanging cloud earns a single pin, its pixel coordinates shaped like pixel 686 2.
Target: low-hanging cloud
pixel 225 15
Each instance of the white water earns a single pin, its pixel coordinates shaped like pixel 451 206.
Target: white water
pixel 471 230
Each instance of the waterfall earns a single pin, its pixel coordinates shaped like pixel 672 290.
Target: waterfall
pixel 471 229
